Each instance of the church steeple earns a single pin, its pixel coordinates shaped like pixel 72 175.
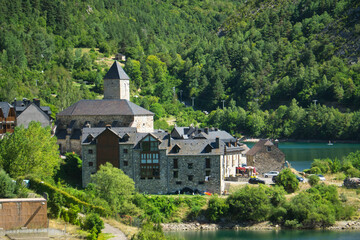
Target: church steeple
pixel 116 83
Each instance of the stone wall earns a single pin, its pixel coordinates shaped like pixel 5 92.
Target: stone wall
pixel 88 163
pixel 124 121
pixel 116 89
pixel 266 161
pixel 143 123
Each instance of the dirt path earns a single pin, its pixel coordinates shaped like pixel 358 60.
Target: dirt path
pixel 118 235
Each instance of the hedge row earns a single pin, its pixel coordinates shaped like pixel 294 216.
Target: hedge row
pixel 41 187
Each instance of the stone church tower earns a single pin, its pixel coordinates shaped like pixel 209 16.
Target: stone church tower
pixel 116 83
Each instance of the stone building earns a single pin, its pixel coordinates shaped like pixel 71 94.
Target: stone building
pixel 115 110
pixel 22 113
pixel 161 163
pixel 265 156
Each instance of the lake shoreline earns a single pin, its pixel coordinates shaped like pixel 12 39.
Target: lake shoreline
pixel 262 226
pixel 284 140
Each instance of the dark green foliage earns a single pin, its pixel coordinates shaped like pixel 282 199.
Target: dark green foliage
pixel 70 170
pixel 287 180
pixel 60 198
pixel 7 185
pixel 267 61
pixel 217 208
pixel 319 206
pixel 313 180
pixel 249 204
pixel 149 231
pixel 93 224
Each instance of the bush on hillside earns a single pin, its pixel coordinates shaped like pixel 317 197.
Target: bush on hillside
pixel 217 208
pixel 313 180
pixel 249 204
pixel 93 223
pixel 7 185
pixel 287 180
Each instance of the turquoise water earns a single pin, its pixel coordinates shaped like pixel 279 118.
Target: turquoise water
pixel 300 155
pixel 266 235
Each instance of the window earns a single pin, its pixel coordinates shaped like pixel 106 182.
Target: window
pixel 149 165
pixel 207 163
pixel 190 177
pixel 91 164
pixel 125 150
pixel 207 173
pixel 178 182
pixel 190 166
pixel 269 149
pixel 201 182
pixel 176 174
pixel 126 163
pixel 176 163
pixel 90 151
pixel 150 144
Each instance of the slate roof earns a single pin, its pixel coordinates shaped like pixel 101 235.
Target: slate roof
pixel 116 72
pixel 199 133
pixel 5 107
pixel 258 146
pixel 120 131
pixel 104 107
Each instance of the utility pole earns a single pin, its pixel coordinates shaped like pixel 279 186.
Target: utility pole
pixel 192 98
pixel 223 101
pixel 315 102
pixel 181 91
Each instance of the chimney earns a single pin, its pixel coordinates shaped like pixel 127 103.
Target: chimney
pixel 36 102
pixel 206 130
pixel 217 142
pixel 169 142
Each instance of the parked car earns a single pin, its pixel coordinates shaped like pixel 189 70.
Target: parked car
pixel 271 174
pixel 300 179
pixel 255 180
pixel 322 178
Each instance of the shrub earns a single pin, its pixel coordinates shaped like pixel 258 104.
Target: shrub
pixel 217 207
pixel 7 185
pixel 149 231
pixel 322 164
pixel 353 172
pixel 249 204
pixel 93 223
pixel 315 170
pixel 287 180
pixel 313 180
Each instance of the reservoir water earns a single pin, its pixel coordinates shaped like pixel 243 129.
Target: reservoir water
pixel 266 235
pixel 300 155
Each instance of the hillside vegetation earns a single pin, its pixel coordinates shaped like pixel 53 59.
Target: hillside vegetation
pixel 259 57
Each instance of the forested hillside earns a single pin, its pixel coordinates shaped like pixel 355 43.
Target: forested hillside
pixel 257 56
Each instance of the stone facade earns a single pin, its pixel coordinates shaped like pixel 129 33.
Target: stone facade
pixel 116 89
pixel 265 156
pixel 115 110
pixel 143 124
pixel 197 164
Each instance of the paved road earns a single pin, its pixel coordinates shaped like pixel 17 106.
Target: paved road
pixel 118 235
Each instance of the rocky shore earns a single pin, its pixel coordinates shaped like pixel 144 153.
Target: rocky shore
pixel 263 226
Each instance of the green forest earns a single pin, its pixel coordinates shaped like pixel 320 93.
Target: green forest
pixel 262 68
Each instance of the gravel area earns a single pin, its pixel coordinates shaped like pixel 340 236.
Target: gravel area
pixel 118 235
